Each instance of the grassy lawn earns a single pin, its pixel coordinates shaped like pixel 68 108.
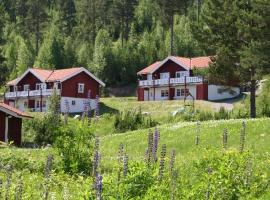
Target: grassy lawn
pixel 181 137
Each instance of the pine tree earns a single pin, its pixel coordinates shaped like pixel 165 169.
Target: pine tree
pixel 25 57
pixel 169 9
pixel 237 34
pixel 51 53
pixel 36 20
pixel 67 13
pixel 123 12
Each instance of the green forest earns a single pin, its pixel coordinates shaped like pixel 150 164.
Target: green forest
pixel 116 38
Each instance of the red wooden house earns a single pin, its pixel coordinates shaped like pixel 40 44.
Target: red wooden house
pixel 11 124
pixel 76 86
pixel 173 78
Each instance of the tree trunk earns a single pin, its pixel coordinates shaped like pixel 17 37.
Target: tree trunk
pixel 171 45
pixel 253 95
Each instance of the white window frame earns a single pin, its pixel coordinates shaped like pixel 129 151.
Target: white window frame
pixel 183 92
pixel 149 77
pixel 179 74
pixel 178 94
pixel 164 93
pixel 26 87
pixel 165 74
pixel 38 86
pixel 81 88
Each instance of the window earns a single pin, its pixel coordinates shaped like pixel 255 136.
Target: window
pixel 181 74
pixel 73 103
pixel 80 88
pixel 164 93
pixel 38 86
pixel 164 75
pixel 178 92
pixel 183 92
pixel 57 85
pixel 43 104
pixel 26 87
pixel 149 76
pixel 37 104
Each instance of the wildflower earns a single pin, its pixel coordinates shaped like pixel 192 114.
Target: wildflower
pixel 248 172
pixel 155 144
pixel 242 137
pixel 19 189
pixel 162 161
pixel 150 148
pixel 9 171
pixel 125 165
pixel 48 168
pixel 198 133
pixel 98 186
pixel 174 184
pixel 120 160
pixel 225 138
pixel 172 161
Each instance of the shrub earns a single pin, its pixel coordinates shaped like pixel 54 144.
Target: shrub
pixel 74 144
pixel 132 120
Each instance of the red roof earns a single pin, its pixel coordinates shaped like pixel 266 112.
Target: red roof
pixel 62 73
pixel 150 68
pixel 50 75
pixel 4 107
pixel 197 62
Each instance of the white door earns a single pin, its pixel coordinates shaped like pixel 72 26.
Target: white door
pixel 165 75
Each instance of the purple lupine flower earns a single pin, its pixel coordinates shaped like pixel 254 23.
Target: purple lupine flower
pixel 120 153
pixel 19 189
pixel 97 107
pixel 47 173
pixel 174 184
pixel 96 159
pixel 98 186
pixel 242 137
pixel 172 161
pixel 162 161
pixel 225 138
pixel 155 144
pixel 9 171
pixel 125 165
pixel 198 133
pixel 150 147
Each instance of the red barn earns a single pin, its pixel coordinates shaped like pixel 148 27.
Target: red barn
pixel 173 78
pixel 77 88
pixel 11 124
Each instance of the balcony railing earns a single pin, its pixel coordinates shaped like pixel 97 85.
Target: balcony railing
pixel 181 80
pixel 30 93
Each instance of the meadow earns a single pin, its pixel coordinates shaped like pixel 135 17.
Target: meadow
pixel 193 143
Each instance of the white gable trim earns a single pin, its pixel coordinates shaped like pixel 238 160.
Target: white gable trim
pixel 10 112
pixel 25 73
pixel 82 69
pixel 172 59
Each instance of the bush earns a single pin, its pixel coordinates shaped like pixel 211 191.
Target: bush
pixel 74 144
pixel 132 120
pixel 44 129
